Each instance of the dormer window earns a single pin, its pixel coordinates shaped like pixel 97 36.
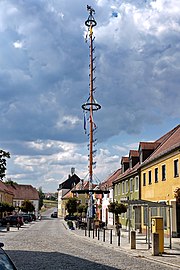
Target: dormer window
pixel 130 163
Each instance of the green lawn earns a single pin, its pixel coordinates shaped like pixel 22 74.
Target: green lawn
pixel 50 204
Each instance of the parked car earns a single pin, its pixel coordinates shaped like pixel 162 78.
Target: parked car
pixel 54 215
pixel 26 217
pixel 13 220
pixel 68 217
pixel 5 261
pixel 33 217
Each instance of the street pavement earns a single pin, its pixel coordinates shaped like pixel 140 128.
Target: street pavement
pixel 170 257
pixel 49 245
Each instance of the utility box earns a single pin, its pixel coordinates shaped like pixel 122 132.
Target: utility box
pixel 157 227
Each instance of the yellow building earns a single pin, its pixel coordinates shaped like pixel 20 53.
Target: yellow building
pixel 160 176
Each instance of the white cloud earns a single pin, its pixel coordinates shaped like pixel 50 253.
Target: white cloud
pixel 44 82
pixel 18 44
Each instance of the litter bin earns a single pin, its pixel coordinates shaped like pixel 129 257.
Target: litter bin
pixel 157 227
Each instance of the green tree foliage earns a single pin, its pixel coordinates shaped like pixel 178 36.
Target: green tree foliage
pixel 117 209
pixel 82 208
pixel 41 197
pixel 5 207
pixel 177 194
pixel 3 156
pixel 10 182
pixel 27 206
pixel 71 206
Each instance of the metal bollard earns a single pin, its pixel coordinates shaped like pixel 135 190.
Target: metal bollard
pixel 18 226
pixel 96 231
pixel 111 236
pixel 104 233
pixel 98 234
pixel 155 244
pixel 133 240
pixel 119 238
pixel 8 227
pixel 85 231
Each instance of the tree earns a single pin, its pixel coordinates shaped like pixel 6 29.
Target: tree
pixel 41 197
pixel 27 206
pixel 177 194
pixel 82 209
pixel 71 206
pixel 3 156
pixel 117 209
pixel 10 182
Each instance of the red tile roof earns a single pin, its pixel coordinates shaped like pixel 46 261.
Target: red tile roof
pixel 24 192
pixel 5 188
pixel 134 153
pixel 148 145
pixel 109 181
pixel 124 159
pixel 170 141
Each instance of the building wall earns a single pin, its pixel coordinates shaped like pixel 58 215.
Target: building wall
pixel 163 189
pixel 61 193
pixel 128 189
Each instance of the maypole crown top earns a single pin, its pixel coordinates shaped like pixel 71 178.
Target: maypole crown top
pixel 90 22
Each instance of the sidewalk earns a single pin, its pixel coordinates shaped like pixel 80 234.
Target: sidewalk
pixel 170 257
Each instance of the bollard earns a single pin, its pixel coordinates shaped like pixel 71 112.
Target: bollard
pixel 111 236
pixel 119 236
pixel 18 226
pixel 93 232
pixel 8 227
pixel 96 231
pixel 155 244
pixel 104 233
pixel 85 231
pixel 98 234
pixel 133 240
pixel 89 232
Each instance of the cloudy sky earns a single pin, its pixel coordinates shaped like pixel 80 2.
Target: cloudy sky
pixel 44 81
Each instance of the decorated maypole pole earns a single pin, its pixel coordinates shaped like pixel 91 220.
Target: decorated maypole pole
pixel 90 107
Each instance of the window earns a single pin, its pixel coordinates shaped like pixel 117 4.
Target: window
pixel 150 179
pixel 118 188
pixel 126 186
pixel 144 179
pixel 130 163
pixel 156 175
pixel 131 185
pixel 137 183
pixel 176 168
pixel 163 172
pixel 123 187
pixel 115 190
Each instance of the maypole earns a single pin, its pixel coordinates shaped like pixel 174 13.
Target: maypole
pixel 91 106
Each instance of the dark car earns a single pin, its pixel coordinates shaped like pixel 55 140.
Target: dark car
pixel 54 215
pixel 5 261
pixel 13 220
pixel 26 217
pixel 33 217
pixel 68 217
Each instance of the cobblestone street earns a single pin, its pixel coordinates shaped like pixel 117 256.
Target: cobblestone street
pixel 47 244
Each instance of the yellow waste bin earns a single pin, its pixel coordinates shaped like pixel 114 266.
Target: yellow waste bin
pixel 157 227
